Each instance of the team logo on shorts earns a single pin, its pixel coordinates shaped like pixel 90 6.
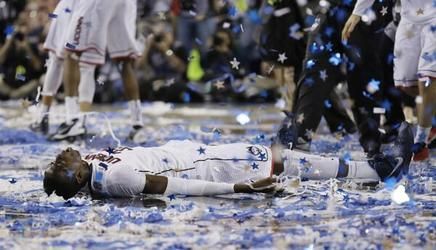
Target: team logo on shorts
pixel 260 153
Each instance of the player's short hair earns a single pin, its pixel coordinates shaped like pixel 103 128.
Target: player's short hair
pixel 56 180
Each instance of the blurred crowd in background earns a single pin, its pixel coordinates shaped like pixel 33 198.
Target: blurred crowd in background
pixel 216 43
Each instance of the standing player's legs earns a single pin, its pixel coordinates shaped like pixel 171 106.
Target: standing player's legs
pixel 317 80
pixel 427 85
pixel 79 85
pixel 392 97
pixel 52 82
pixel 364 80
pixel 415 75
pixel 132 92
pixel 122 47
pixel 54 43
pixel 71 83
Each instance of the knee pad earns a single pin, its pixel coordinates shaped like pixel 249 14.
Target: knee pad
pixel 53 77
pixel 87 82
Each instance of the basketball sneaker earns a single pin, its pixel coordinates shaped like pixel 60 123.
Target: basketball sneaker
pixel 40 126
pixel 288 135
pixel 69 131
pixel 397 164
pixel 137 135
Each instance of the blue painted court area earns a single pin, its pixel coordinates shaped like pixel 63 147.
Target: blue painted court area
pixel 307 215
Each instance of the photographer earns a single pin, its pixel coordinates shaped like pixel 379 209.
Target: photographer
pixel 20 65
pixel 166 63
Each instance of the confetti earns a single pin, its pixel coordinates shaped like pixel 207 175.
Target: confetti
pixel 100 80
pixel 384 10
pixel 235 63
pixel 243 118
pixel 323 75
pixel 373 86
pixel 399 195
pixel 282 58
pixel 219 85
pixel 378 110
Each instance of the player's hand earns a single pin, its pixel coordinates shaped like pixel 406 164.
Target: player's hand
pixel 351 23
pixel 267 185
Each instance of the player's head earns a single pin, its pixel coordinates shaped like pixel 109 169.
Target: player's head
pixel 66 175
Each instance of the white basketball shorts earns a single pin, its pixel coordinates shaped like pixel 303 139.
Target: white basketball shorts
pixel 60 21
pixel 229 163
pixel 101 25
pixel 414 52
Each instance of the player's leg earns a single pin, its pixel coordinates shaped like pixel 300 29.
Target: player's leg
pixel 317 80
pixel 314 167
pixel 427 91
pixel 52 82
pixel 336 115
pixel 54 43
pixel 71 127
pixel 364 81
pixel 122 47
pixel 86 42
pixel 409 48
pixel 132 92
pixel 86 86
pixel 392 97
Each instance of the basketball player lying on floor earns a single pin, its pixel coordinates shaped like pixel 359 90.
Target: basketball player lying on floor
pixel 188 168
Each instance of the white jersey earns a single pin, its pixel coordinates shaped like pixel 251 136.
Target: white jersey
pixel 414 11
pixel 121 171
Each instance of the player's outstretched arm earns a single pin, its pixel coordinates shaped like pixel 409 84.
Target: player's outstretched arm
pixel 349 27
pixel 170 185
pixel 359 9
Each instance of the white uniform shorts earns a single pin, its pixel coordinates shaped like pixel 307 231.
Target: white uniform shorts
pixel 414 52
pixel 229 163
pixel 102 25
pixel 60 21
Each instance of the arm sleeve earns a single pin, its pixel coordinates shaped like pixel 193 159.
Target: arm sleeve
pixel 125 182
pixel 361 6
pixel 197 187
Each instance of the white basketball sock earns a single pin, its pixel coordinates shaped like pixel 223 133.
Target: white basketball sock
pixel 53 77
pixel 362 170
pixel 135 112
pixel 309 166
pixel 71 108
pixel 87 83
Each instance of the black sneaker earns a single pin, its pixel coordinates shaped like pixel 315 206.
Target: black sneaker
pixel 136 135
pixel 40 127
pixel 286 133
pixel 397 164
pixel 69 131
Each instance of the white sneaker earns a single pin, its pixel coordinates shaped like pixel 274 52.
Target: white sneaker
pixel 69 131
